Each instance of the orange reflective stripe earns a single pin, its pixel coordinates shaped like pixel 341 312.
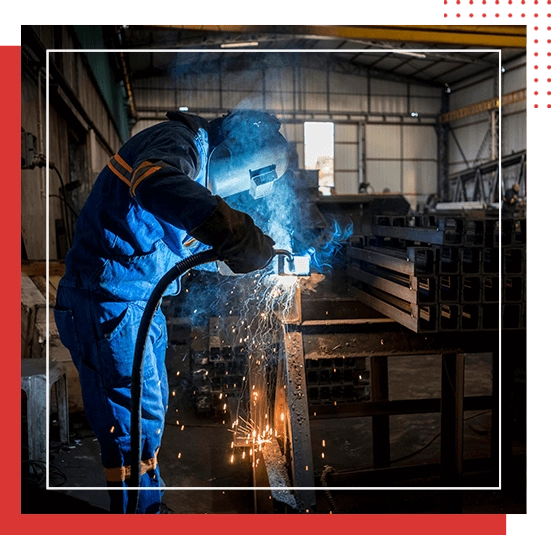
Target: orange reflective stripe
pixel 137 180
pixel 123 170
pixel 141 166
pixel 122 473
pixel 124 179
pixel 123 163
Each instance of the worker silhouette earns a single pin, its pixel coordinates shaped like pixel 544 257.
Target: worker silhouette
pixel 510 201
pixel 149 208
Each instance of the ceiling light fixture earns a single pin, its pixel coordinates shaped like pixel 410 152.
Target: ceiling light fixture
pixel 413 54
pixel 239 45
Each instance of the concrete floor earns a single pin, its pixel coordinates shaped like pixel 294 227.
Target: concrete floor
pixel 199 456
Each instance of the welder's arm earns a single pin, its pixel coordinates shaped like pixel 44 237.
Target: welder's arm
pixel 236 239
pixel 169 191
pixel 163 180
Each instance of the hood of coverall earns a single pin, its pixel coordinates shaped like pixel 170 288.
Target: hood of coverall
pixel 251 157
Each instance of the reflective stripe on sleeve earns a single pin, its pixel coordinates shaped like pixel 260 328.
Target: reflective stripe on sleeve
pixel 120 168
pixel 143 170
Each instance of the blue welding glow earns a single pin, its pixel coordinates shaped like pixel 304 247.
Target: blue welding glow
pixel 328 245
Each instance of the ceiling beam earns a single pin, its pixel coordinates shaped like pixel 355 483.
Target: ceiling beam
pixel 480 107
pixel 262 59
pixel 482 36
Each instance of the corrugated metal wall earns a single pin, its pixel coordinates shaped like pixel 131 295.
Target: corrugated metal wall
pixel 513 128
pixel 395 151
pixel 376 140
pixel 472 138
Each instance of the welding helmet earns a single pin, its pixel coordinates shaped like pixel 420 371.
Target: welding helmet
pixel 252 155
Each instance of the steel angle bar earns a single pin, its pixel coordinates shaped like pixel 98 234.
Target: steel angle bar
pixel 405 318
pixel 382 259
pixel 344 322
pixel 299 423
pixel 425 288
pixel 407 293
pixel 276 474
pixel 327 347
pixel 394 407
pixel 408 261
pixel 422 235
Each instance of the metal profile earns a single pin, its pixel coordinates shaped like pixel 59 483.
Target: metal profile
pixel 418 318
pixel 448 288
pixel 471 291
pixel 449 317
pixel 299 424
pixel 471 261
pixel 410 261
pixel 490 289
pixel 407 293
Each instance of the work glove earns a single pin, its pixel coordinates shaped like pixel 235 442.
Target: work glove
pixel 235 238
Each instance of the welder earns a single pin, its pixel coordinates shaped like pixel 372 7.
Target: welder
pixel 158 200
pixel 510 201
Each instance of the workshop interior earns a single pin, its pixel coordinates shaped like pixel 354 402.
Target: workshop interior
pixel 378 363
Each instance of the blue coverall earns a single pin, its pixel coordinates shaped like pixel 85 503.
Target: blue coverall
pixel 130 232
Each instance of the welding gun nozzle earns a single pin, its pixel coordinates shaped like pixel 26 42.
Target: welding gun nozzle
pixel 283 252
pixel 290 260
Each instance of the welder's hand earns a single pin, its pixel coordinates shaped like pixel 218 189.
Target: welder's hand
pixel 236 239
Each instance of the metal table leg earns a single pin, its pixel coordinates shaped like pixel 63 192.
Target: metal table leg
pixel 451 452
pixel 381 425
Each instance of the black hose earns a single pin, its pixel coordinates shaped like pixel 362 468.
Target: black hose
pixel 137 369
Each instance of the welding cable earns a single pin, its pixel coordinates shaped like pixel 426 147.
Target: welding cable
pixel 171 275
pixel 327 470
pixel 71 209
pixel 64 205
pixel 37 473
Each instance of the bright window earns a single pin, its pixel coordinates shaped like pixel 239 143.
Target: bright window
pixel 319 153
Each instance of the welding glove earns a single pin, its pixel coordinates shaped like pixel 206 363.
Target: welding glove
pixel 235 238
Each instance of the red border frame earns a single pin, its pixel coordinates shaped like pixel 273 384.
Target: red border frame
pixel 283 12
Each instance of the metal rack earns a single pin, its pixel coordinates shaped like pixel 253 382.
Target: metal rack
pixel 435 274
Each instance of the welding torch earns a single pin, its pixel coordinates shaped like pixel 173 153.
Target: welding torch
pixel 288 265
pixel 290 260
pixel 291 264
